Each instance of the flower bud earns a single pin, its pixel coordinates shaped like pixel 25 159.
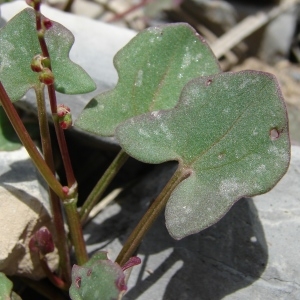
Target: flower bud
pixel 62 110
pixel 36 63
pixel 47 23
pixel 46 76
pixel 66 121
pixel 64 116
pixel 42 241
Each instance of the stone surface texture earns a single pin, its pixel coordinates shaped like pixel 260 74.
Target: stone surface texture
pixel 24 208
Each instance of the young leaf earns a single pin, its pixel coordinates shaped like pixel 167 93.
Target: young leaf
pixel 18 46
pixel 153 68
pixel 230 130
pixel 99 278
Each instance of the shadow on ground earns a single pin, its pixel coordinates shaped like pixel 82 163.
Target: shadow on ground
pixel 209 265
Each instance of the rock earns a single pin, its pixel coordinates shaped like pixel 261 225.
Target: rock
pixel 87 9
pixel 278 37
pixel 24 208
pixel 252 253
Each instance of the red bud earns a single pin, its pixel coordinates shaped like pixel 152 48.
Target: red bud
pixel 46 76
pixel 42 241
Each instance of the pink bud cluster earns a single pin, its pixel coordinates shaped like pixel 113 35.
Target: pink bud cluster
pixel 64 116
pixel 40 65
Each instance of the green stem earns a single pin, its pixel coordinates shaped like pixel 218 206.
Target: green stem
pixel 28 144
pixel 135 238
pixel 56 208
pixel 102 185
pixel 76 231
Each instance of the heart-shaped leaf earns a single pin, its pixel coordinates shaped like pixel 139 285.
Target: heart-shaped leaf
pixel 230 130
pixel 19 44
pixel 153 68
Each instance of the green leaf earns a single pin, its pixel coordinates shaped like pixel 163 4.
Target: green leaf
pixel 6 286
pixel 9 140
pixel 19 44
pixel 230 130
pixel 153 68
pixel 99 278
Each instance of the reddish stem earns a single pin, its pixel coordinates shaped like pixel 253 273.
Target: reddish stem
pixel 53 104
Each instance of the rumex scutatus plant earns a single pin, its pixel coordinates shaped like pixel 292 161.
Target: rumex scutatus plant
pixel 227 131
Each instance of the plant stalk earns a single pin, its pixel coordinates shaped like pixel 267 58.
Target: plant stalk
pixel 52 277
pixel 135 238
pixel 71 204
pixel 102 185
pixel 56 208
pixel 53 103
pixel 76 231
pixel 28 143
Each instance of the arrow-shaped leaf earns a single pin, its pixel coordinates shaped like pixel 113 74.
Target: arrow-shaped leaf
pixel 19 44
pixel 230 130
pixel 153 68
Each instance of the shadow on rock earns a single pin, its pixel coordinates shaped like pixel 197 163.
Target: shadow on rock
pixel 218 261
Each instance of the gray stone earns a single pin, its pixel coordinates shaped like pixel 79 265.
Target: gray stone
pixel 252 253
pixel 278 36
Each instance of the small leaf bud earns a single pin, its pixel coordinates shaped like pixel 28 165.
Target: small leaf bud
pixel 46 76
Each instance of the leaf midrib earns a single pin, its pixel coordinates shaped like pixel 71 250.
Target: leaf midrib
pixel 238 119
